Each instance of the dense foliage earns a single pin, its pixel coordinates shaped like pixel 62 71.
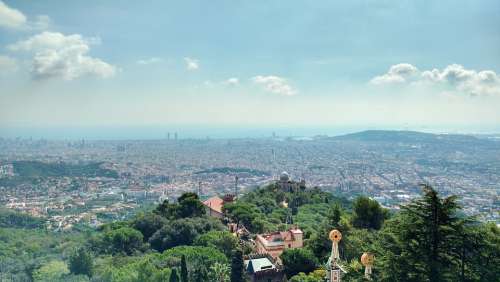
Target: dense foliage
pixel 30 169
pixel 428 240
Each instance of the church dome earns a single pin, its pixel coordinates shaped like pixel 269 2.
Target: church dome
pixel 284 176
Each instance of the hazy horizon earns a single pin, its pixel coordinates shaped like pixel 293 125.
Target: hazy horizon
pixel 155 132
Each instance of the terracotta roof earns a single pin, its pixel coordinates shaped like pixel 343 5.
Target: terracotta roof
pixel 214 203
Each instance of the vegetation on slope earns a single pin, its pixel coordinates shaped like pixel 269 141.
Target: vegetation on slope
pixel 429 240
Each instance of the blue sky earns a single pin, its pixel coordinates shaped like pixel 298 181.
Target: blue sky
pixel 385 64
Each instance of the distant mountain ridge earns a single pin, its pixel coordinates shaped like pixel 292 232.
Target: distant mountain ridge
pixel 404 137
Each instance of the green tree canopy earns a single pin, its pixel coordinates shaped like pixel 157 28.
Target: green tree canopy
pixel 124 240
pixel 182 232
pixel 81 262
pixel 237 266
pixel 298 260
pixel 221 240
pixel 367 213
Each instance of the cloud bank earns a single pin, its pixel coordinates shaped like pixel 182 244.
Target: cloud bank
pixel 64 56
pixel 275 84
pixel 456 77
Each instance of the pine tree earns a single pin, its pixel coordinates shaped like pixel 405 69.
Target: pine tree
pixel 420 244
pixel 184 271
pixel 237 266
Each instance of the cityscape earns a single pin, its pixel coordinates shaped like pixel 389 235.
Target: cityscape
pixel 126 175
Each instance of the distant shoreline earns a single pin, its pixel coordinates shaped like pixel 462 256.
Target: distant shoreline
pixel 124 133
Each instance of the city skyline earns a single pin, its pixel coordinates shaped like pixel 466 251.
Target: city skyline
pixel 358 65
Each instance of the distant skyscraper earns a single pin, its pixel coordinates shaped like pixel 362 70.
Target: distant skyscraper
pixel 274 134
pixel 168 135
pixel 175 136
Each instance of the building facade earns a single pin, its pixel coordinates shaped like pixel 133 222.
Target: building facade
pixel 275 243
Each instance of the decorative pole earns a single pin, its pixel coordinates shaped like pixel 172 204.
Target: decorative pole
pixel 367 260
pixel 335 275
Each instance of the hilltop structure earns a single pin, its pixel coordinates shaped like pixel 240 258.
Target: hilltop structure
pixel 275 243
pixel 286 184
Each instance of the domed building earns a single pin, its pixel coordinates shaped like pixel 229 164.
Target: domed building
pixel 286 184
pixel 284 176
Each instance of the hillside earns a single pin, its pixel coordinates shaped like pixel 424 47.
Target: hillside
pixel 180 238
pixel 406 137
pixel 30 169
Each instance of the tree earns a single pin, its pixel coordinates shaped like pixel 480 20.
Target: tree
pixel 334 214
pixel 237 266
pixel 199 259
pixel 182 232
pixel 190 205
pixel 298 260
pixel 221 240
pixel 316 276
pixel 81 262
pixel 122 240
pixel 420 243
pixel 219 273
pixel 148 224
pixel 184 271
pixel 173 276
pixel 367 213
pixel 51 271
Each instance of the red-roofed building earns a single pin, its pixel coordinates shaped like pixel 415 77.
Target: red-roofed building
pixel 275 243
pixel 213 206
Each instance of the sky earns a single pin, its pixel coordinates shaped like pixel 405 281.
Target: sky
pixel 420 65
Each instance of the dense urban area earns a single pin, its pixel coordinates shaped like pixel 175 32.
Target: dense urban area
pixel 97 181
pixel 374 205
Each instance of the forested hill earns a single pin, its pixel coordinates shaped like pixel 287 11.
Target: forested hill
pixel 428 240
pixel 394 136
pixel 30 169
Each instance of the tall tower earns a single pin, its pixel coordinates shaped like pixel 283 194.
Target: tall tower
pixel 199 189
pixel 236 186
pixel 175 136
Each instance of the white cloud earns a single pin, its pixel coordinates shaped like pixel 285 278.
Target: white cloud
pixel 7 64
pixel 397 74
pixel 233 81
pixel 458 78
pixel 275 84
pixel 15 19
pixel 152 60
pixel 11 18
pixel 191 64
pixel 58 55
